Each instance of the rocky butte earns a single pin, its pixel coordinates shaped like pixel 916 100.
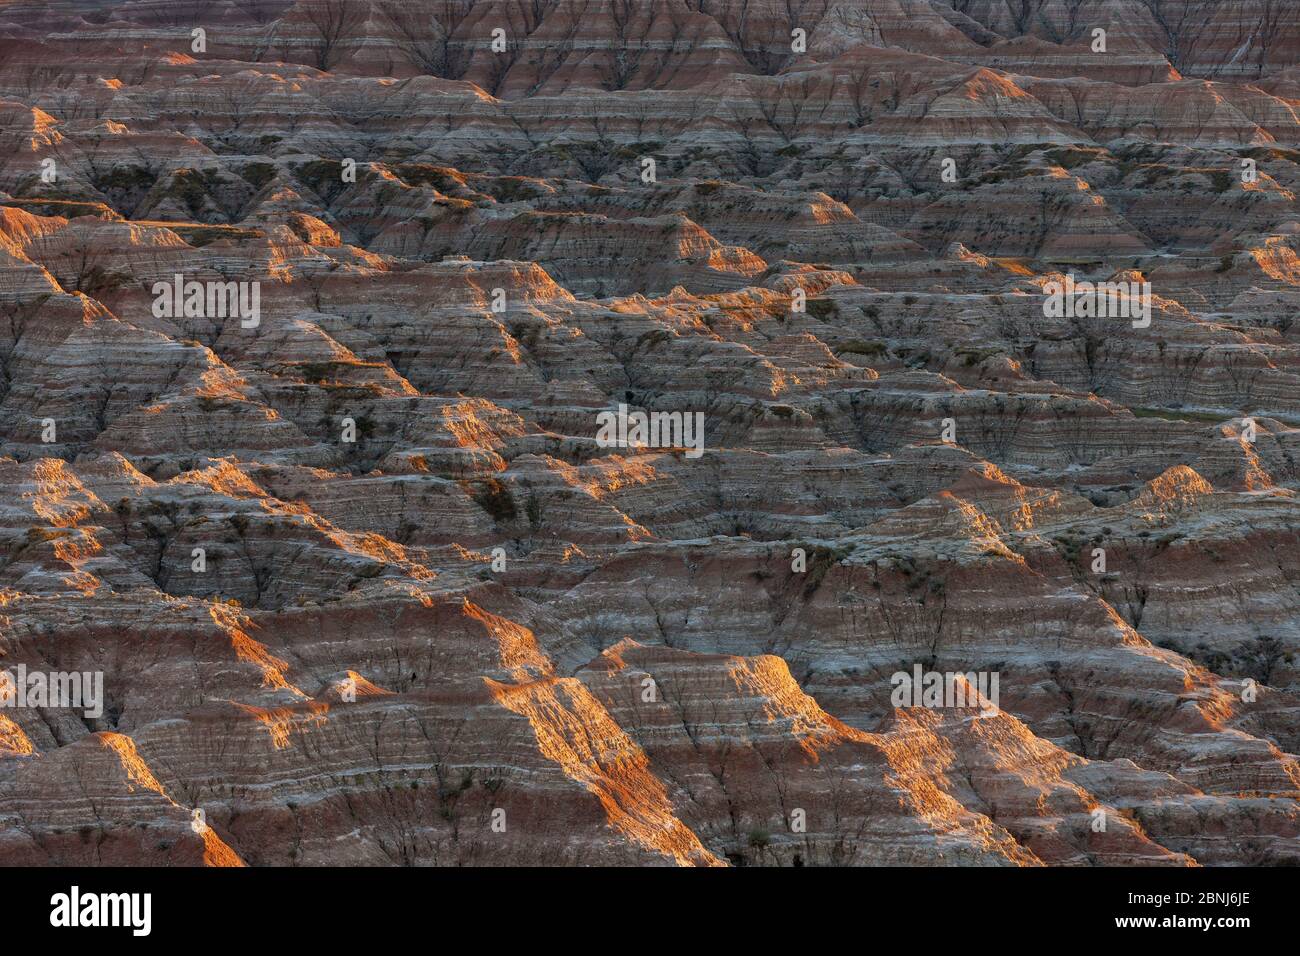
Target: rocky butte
pixel 362 582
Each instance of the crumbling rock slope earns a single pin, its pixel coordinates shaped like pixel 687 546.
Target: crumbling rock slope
pixel 366 586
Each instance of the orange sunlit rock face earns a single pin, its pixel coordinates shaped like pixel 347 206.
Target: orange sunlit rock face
pixel 652 433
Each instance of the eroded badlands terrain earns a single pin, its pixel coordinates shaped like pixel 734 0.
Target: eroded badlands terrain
pixel 353 673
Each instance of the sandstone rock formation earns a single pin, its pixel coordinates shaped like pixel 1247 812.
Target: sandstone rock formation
pixel 366 586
